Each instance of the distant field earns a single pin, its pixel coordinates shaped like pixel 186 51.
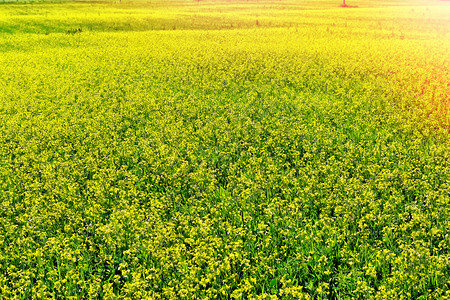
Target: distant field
pixel 225 149
pixel 371 16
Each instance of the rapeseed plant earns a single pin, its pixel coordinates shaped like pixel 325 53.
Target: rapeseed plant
pixel 277 162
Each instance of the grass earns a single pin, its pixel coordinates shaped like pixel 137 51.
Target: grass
pixel 177 149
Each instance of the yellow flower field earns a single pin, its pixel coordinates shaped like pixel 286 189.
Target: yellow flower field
pixel 225 150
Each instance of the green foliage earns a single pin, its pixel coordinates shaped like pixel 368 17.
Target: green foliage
pixel 296 162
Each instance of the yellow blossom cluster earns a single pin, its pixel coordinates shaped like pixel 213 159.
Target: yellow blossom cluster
pixel 281 160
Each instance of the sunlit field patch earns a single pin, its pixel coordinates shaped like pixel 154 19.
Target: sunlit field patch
pixel 229 149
